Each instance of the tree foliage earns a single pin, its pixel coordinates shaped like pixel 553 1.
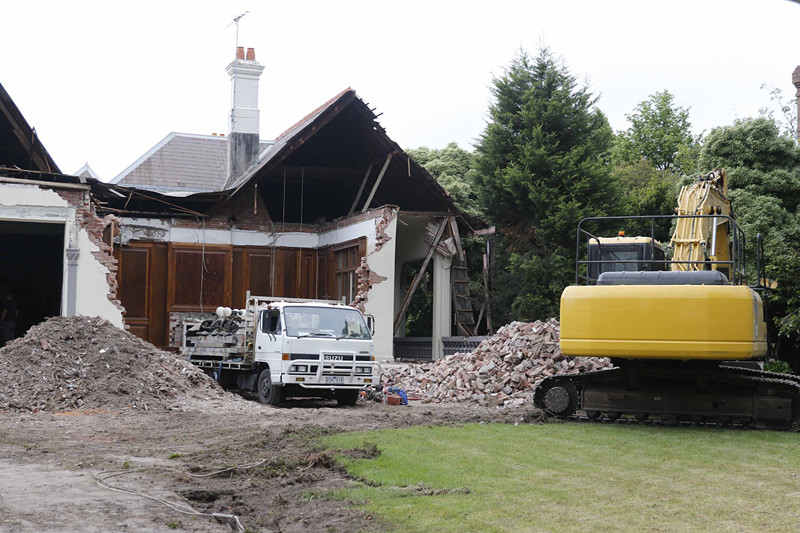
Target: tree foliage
pixel 646 191
pixel 788 112
pixel 454 169
pixel 763 168
pixel 542 165
pixel 660 133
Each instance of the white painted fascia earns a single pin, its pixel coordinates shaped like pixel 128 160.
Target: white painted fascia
pixel 88 170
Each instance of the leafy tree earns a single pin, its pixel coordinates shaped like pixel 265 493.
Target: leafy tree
pixel 660 133
pixel 646 191
pixel 763 168
pixel 788 119
pixel 454 169
pixel 542 165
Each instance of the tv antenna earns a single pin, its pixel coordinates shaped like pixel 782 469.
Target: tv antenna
pixel 236 21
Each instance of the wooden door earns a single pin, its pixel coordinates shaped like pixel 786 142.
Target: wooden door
pixel 141 278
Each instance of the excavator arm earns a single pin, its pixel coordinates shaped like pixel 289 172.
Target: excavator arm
pixel 701 242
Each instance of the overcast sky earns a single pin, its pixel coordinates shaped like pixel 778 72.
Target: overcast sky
pixel 105 81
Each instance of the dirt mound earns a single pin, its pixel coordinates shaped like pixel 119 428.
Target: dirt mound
pixel 85 362
pixel 503 370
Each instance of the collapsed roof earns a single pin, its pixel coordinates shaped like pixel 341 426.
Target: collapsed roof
pixel 324 167
pixel 20 147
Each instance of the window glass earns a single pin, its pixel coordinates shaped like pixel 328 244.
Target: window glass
pixel 270 321
pixel 338 322
pixel 626 255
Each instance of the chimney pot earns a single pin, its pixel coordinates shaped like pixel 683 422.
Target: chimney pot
pixel 240 52
pixel 251 54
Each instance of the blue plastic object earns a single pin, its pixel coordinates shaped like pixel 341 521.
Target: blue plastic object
pixel 399 392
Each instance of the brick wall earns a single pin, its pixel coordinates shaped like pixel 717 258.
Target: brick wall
pixel 87 219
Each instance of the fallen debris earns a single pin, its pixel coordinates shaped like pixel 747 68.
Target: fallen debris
pixel 503 370
pixel 85 362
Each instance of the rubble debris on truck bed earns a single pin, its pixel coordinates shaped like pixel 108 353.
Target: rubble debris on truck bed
pixel 503 370
pixel 85 362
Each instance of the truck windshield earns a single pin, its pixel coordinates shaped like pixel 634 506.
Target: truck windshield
pixel 336 322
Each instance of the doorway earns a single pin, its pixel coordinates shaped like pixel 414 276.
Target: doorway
pixel 31 269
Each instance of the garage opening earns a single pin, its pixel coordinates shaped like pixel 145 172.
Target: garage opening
pixel 31 269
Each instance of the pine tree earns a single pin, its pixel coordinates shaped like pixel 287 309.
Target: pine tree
pixel 542 166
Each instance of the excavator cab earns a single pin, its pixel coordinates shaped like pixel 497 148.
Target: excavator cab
pixel 623 254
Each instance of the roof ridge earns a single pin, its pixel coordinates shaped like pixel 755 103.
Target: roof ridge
pixel 314 112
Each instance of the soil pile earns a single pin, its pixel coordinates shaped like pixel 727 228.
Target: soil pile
pixel 503 370
pixel 85 362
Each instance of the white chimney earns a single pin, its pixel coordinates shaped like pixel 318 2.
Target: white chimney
pixel 243 123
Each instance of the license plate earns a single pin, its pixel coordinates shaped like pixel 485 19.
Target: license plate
pixel 334 379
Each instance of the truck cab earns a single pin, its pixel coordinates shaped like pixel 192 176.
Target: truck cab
pixel 309 345
pixel 290 347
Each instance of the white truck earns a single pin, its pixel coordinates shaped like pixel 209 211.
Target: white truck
pixel 283 347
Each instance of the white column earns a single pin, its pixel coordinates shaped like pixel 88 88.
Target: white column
pixel 442 304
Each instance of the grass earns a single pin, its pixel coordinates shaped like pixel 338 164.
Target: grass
pixel 570 477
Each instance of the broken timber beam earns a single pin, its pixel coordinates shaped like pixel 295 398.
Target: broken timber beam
pixel 377 182
pixel 360 190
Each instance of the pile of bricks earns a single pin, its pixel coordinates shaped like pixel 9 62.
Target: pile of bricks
pixel 503 370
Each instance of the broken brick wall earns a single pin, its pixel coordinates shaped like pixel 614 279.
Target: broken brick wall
pixel 87 220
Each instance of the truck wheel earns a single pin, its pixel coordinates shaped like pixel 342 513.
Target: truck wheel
pixel 346 397
pixel 268 392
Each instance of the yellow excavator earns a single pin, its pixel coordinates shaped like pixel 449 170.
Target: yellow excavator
pixel 683 333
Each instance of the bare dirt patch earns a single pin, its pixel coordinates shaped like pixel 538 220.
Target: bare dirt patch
pixel 49 461
pixel 100 431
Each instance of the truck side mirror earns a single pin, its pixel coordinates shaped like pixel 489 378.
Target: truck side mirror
pixel 370 323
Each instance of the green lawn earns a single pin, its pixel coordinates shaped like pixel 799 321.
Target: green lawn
pixel 577 477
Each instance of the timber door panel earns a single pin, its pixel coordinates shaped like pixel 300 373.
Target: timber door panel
pixel 159 260
pixel 142 282
pixel 134 277
pixel 252 271
pixel 259 272
pixel 308 274
pixel 323 275
pixel 200 278
pixel 286 274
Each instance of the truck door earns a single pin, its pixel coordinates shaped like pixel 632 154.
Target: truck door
pixel 269 339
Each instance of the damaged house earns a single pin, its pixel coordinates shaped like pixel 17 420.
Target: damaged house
pixel 331 209
pixel 54 256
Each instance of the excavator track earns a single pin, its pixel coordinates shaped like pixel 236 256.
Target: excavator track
pixel 677 391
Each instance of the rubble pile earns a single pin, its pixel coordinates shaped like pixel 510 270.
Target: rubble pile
pixel 503 370
pixel 85 362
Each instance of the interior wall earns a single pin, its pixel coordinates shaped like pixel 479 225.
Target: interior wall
pixel 30 269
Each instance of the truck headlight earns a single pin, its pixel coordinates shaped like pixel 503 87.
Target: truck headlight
pixel 363 370
pixel 303 369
